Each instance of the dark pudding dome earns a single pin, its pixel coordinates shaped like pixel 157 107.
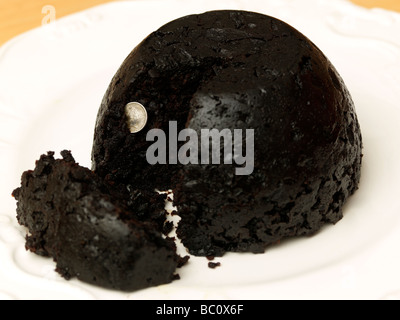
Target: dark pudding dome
pixel 230 70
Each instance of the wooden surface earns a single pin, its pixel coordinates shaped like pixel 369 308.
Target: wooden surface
pixel 18 16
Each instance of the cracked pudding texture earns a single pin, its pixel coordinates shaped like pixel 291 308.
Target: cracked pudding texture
pixel 90 232
pixel 236 70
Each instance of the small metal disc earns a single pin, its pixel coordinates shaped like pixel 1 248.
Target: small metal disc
pixel 136 115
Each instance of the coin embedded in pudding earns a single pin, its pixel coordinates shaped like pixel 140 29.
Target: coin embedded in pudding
pixel 136 116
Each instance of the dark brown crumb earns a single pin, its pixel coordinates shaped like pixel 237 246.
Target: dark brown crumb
pixel 168 227
pixel 67 156
pixel 210 258
pixel 174 213
pixel 182 261
pixel 213 265
pixel 176 277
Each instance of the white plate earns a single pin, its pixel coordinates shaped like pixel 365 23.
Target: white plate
pixel 52 80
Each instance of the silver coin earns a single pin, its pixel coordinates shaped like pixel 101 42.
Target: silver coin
pixel 136 115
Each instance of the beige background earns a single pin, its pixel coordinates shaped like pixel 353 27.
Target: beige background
pixel 18 16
